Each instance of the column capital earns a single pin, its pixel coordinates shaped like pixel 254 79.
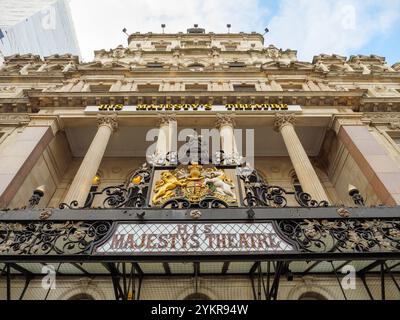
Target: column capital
pixel 225 120
pixel 108 120
pixel 284 119
pixel 166 118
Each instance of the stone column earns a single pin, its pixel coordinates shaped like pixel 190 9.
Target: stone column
pixel 226 125
pixel 80 187
pixel 301 163
pixel 166 141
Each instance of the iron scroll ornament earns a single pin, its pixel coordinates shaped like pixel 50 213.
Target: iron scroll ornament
pixel 50 238
pixel 343 236
pixel 133 194
pixel 259 194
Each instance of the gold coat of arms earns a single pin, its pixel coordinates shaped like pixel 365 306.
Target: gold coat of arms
pixel 194 183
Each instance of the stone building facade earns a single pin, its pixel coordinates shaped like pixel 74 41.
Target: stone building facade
pixel 321 129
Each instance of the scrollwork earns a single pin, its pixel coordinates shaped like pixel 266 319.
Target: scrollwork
pixel 343 235
pixel 50 238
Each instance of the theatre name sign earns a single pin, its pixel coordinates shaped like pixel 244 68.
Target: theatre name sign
pixel 201 238
pixel 120 108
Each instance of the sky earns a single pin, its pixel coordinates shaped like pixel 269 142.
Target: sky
pixel 312 27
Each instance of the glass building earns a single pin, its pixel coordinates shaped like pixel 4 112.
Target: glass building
pixel 42 27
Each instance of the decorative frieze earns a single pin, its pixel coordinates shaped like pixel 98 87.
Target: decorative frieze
pixel 14 119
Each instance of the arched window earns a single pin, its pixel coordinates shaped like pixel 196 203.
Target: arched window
pixel 197 296
pixel 196 65
pixel 82 296
pixel 312 296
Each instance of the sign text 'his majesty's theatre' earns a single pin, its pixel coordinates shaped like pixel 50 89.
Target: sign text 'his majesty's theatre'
pixel 120 108
pixel 129 238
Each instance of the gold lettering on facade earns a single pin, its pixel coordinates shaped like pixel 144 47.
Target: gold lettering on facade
pixel 197 107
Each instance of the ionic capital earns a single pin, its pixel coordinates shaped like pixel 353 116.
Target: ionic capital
pixel 282 120
pixel 165 119
pixel 225 120
pixel 109 120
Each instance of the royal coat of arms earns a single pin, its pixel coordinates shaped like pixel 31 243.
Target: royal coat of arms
pixel 194 183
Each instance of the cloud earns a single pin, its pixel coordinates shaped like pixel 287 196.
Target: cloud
pixel 331 26
pixel 99 23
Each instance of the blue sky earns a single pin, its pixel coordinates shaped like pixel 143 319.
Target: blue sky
pixel 344 27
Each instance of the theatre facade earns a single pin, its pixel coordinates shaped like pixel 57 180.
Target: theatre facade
pixel 199 165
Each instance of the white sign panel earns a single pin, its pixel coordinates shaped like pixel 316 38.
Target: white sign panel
pixel 119 108
pixel 141 239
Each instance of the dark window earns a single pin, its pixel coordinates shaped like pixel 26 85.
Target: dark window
pixel 196 65
pixel 155 65
pixel 148 88
pixel 237 64
pixel 292 87
pixel 100 88
pixel 244 87
pixel 196 87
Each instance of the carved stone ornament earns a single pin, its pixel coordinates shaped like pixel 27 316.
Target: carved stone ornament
pixel 195 214
pixel 225 120
pixel 110 121
pixel 283 119
pixel 46 214
pixel 14 119
pixel 165 119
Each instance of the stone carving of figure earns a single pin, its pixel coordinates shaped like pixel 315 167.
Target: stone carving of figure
pixel 221 183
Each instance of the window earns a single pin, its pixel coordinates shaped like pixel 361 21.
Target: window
pixel 237 64
pixel 148 88
pixel 196 87
pixel 244 87
pixel 292 87
pixel 155 65
pixel 100 88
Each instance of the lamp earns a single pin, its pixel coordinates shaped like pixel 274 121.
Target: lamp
pixel 124 30
pixel 163 27
pixel 266 30
pixel 354 193
pixel 229 27
pixel 37 195
pixel 96 180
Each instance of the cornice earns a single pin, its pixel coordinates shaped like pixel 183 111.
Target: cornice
pixel 391 119
pixel 14 119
